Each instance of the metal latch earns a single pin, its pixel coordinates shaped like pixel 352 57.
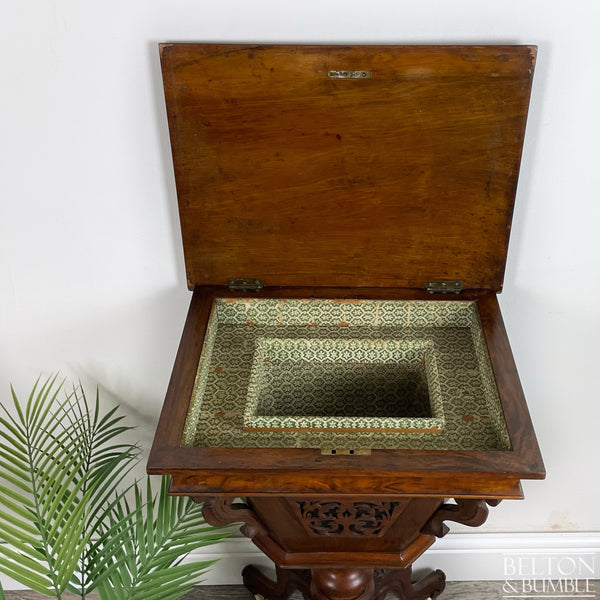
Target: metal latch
pixel 244 285
pixel 346 74
pixel 346 451
pixel 444 286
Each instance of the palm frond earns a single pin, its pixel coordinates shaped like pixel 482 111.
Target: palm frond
pixel 38 495
pixel 54 476
pixel 160 532
pixel 66 521
pixel 107 464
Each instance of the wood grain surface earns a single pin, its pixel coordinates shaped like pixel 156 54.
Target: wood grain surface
pixel 288 175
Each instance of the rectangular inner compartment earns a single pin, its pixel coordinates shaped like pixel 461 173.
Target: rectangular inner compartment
pixel 344 385
pixel 357 374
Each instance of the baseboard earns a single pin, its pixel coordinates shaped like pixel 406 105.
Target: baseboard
pixel 462 556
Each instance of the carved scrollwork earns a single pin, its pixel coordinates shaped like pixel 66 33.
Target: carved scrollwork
pixel 346 518
pixel 398 582
pixel 224 511
pixel 287 582
pixel 471 512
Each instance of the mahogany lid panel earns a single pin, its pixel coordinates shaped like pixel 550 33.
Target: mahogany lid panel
pixel 288 175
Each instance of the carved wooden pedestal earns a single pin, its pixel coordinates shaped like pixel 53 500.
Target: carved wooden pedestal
pixel 338 549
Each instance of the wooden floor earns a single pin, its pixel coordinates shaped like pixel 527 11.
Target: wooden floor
pixel 457 590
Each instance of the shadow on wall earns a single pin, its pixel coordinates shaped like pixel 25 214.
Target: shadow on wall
pixel 127 351
pixel 134 362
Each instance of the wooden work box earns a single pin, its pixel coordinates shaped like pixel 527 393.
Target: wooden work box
pixel 344 368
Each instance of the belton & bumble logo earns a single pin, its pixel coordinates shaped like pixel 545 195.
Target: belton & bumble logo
pixel 550 576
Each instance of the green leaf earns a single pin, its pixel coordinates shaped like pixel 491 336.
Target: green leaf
pixel 16 496
pixel 18 440
pixel 30 568
pixel 150 534
pixel 18 478
pixel 27 577
pixel 148 568
pixel 40 405
pixel 19 461
pixel 15 536
pixel 26 514
pixel 62 467
pixel 71 505
pixel 17 404
pixel 42 555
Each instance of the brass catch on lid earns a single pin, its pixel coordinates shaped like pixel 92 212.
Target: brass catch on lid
pixel 344 74
pixel 346 451
pixel 444 286
pixel 244 285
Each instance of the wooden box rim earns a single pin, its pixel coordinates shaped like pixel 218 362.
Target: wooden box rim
pixel 292 471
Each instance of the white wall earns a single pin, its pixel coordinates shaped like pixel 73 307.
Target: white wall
pixel 91 268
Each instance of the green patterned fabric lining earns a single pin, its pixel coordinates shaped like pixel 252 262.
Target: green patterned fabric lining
pixel 329 384
pixel 369 368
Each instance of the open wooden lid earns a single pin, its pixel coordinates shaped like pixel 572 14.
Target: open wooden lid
pixel 378 166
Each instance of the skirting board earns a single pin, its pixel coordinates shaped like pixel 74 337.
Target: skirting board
pixel 462 556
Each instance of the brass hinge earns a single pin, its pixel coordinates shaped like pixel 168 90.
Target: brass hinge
pixel 444 286
pixel 244 285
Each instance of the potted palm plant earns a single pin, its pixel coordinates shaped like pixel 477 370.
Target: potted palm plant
pixel 69 523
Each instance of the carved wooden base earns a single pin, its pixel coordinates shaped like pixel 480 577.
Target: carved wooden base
pixel 332 548
pixel 288 581
pixel 343 584
pixel 397 581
